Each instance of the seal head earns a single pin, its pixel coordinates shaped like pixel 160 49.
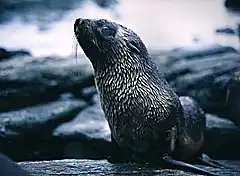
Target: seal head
pixel 106 43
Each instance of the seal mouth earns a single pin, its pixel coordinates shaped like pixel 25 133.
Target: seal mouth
pixel 83 30
pixel 77 24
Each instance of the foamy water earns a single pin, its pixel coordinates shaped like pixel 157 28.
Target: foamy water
pixel 161 24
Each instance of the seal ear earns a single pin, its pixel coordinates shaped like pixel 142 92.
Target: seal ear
pixel 132 45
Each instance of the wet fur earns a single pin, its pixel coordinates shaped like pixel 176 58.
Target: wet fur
pixel 144 113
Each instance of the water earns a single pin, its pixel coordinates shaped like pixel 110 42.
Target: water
pixel 162 24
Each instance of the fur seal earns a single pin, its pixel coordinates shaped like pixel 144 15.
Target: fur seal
pixel 148 121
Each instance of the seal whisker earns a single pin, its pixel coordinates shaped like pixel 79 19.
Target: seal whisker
pixel 75 50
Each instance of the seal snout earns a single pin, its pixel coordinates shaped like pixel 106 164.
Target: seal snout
pixel 78 22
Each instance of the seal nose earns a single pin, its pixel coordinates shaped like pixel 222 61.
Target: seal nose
pixel 78 21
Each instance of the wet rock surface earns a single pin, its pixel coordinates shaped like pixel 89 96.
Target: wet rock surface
pixel 89 123
pixel 226 30
pixel 29 80
pixel 87 135
pixel 232 4
pixel 208 73
pixel 30 129
pixel 26 120
pixel 42 12
pixel 102 167
pixel 221 138
pixel 6 54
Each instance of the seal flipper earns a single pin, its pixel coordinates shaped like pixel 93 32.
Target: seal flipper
pixel 186 167
pixel 207 161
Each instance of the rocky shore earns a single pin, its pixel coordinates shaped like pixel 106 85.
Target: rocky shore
pixel 51 121
pixel 102 167
pixel 50 107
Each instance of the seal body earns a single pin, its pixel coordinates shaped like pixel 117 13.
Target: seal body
pixel 143 111
pixel 191 138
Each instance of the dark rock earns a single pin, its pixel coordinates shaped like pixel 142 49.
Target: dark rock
pixel 29 81
pixel 221 138
pixel 9 168
pixel 89 123
pixel 88 92
pixel 218 123
pixel 30 129
pixel 4 54
pixel 226 30
pixel 87 135
pixel 206 73
pixel 232 4
pixel 233 97
pixel 36 11
pixel 26 120
pixel 42 12
pixel 19 53
pixel 106 3
pixel 201 50
pixel 238 30
pixel 102 167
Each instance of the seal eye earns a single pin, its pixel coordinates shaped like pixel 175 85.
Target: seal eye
pixel 106 31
